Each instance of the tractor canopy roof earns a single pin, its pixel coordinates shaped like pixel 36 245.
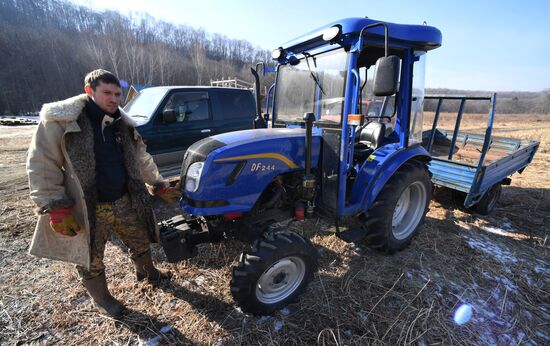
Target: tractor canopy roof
pixel 421 37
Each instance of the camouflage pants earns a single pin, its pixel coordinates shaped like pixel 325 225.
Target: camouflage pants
pixel 121 219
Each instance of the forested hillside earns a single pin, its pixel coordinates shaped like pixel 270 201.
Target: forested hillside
pixel 508 102
pixel 47 46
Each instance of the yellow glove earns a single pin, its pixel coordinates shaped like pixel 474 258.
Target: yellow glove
pixel 63 222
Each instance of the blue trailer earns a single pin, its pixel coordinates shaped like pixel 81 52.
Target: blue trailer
pixel 475 165
pixel 323 153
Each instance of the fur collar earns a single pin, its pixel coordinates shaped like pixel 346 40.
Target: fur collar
pixel 69 110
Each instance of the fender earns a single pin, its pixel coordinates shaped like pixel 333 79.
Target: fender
pixel 379 168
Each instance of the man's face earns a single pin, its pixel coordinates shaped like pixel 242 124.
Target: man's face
pixel 106 96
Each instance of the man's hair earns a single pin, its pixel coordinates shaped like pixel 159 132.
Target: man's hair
pixel 96 76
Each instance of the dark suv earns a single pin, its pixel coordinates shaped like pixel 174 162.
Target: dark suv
pixel 171 118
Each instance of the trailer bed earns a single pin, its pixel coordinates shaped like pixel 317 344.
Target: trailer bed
pixel 474 163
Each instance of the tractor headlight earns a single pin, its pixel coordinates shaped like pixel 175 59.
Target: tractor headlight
pixel 277 53
pixel 193 176
pixel 332 33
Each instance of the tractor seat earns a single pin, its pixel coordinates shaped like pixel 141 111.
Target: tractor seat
pixel 368 138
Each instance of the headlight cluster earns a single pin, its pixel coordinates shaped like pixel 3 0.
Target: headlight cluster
pixel 193 177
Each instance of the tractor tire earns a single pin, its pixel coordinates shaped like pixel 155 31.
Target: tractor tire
pixel 274 272
pixel 399 210
pixel 487 203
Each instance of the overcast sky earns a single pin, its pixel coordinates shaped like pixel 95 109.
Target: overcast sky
pixel 487 44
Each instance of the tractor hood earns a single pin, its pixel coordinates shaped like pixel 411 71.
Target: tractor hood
pixel 238 166
pixel 201 149
pixel 248 136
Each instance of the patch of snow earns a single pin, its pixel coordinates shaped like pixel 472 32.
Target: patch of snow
pixel 521 336
pixel 284 312
pixel 541 270
pixel 507 282
pixel 277 325
pixel 150 342
pixel 199 280
pixel 504 339
pixel 166 329
pixel 154 341
pixel 424 277
pixel 362 316
pixel 543 335
pixel 487 337
pixel 507 224
pixel 348 333
pixel 485 245
pixel 262 319
pixel 527 314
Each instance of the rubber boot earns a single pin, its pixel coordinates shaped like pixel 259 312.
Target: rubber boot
pixel 145 269
pixel 103 300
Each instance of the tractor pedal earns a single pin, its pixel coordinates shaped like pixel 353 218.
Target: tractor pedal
pixel 352 235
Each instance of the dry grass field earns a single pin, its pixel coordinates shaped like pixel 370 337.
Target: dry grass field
pixel 498 264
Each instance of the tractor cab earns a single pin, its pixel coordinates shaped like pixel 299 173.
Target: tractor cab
pixel 364 82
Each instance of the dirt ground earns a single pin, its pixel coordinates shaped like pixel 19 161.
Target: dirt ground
pixel 498 264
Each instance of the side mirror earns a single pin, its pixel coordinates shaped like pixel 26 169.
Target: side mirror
pixel 386 75
pixel 169 116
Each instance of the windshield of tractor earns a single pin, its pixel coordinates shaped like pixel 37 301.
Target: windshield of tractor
pixel 312 84
pixel 417 104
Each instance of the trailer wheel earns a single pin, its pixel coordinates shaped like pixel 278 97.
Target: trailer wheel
pixel 399 210
pixel 274 272
pixel 487 203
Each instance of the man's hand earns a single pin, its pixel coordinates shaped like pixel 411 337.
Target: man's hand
pixel 168 194
pixel 63 222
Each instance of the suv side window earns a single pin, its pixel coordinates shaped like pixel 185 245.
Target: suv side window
pixel 189 106
pixel 236 104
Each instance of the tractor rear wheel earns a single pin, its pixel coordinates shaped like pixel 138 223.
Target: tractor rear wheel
pixel 399 210
pixel 274 272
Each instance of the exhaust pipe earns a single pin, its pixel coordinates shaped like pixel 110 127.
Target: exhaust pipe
pixel 259 121
pixel 308 185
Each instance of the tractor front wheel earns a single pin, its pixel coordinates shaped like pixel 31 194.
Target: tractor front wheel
pixel 399 210
pixel 274 272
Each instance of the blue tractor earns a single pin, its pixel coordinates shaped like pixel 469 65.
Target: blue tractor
pixel 323 152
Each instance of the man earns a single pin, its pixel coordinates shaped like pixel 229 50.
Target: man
pixel 87 169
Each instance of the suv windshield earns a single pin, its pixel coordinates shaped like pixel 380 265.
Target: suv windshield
pixel 142 106
pixel 298 92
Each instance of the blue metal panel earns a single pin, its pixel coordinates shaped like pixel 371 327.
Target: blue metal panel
pixel 486 144
pixel 377 170
pixel 267 153
pixel 402 124
pixel 416 36
pixel 506 166
pixel 454 175
pixel 351 89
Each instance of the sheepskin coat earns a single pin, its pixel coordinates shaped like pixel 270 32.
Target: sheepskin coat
pixel 61 171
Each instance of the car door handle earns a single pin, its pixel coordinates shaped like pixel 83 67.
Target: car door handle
pixel 206 131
